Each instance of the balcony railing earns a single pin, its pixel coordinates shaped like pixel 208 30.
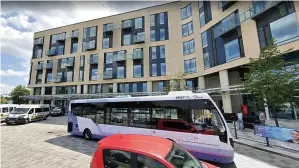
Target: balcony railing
pixel 137 55
pixel 119 57
pixel 39 41
pixel 126 24
pixel 91 46
pixel 108 28
pixel 139 38
pixel 69 63
pixel 107 75
pixel 58 79
pixel 60 37
pixel 39 66
pixel 49 65
pixel 51 52
pixel 226 25
pixel 93 60
pixel 257 8
pixel 75 34
pixel 225 4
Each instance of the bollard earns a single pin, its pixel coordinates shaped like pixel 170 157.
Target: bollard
pixel 267 141
pixel 236 136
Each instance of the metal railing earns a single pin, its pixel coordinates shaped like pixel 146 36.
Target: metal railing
pixel 51 52
pixel 119 57
pixel 108 27
pixel 91 46
pixel 226 25
pixel 38 41
pixel 137 55
pixel 60 37
pixel 126 24
pixel 256 9
pixel 93 60
pixel 138 38
pixel 48 65
pixel 107 74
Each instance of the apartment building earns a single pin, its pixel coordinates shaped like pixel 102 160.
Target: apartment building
pixel 139 51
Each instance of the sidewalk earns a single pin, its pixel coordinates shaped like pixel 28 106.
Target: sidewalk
pixel 247 137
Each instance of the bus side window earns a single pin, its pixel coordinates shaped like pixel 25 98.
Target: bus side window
pixel 38 110
pixel 89 111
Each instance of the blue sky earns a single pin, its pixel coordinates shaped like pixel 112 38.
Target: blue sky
pixel 19 20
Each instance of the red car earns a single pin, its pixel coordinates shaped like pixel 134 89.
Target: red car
pixel 142 151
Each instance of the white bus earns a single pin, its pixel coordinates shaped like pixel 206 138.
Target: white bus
pixel 5 109
pixel 190 119
pixel 27 113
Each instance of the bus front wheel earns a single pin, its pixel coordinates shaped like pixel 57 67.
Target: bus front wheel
pixel 87 134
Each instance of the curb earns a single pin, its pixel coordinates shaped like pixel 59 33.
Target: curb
pixel 271 151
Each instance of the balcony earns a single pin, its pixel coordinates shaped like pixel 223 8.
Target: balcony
pixel 75 35
pixel 48 66
pixel 139 38
pixel 60 37
pixel 257 8
pixel 126 24
pixel 225 4
pixel 91 45
pixel 58 79
pixel 93 60
pixel 39 41
pixel 39 67
pixel 107 74
pixel 226 25
pixel 108 28
pixel 51 52
pixel 119 57
pixel 69 63
pixel 137 55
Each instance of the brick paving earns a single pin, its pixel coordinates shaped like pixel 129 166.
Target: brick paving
pixel 46 144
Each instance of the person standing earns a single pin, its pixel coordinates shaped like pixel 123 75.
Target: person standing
pixel 240 120
pixel 262 118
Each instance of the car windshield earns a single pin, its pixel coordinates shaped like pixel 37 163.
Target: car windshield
pixel 180 158
pixel 20 111
pixel 56 108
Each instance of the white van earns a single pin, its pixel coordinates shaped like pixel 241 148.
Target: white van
pixel 27 113
pixel 5 109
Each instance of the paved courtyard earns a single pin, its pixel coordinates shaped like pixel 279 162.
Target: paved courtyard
pixel 46 144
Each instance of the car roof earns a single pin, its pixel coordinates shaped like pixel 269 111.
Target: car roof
pixel 151 145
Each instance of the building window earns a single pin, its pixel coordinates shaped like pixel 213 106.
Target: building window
pixel 137 71
pixel 286 33
pixel 163 69
pixel 154 52
pixel 206 59
pixel 188 47
pixel 61 50
pixel 232 50
pixel 204 39
pixel 107 88
pixel 109 58
pixel 69 76
pixel 161 16
pixel 120 72
pixel 154 69
pixel 39 53
pixel 89 38
pixel 49 77
pixel 153 20
pixel 153 35
pixel 93 32
pixel 106 43
pixel 205 14
pixel 187 29
pixel 127 39
pixel 186 12
pixel 162 51
pixel 94 89
pixel 190 66
pixel 81 75
pixel 162 34
pixel 74 48
pixel 48 90
pixel 138 23
pixel 94 73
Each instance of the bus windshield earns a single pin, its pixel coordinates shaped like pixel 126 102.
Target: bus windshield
pixel 180 158
pixel 20 111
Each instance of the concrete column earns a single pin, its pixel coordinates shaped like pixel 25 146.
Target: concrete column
pixel 42 93
pixel 53 93
pixel 201 83
pixel 149 86
pixel 224 83
pixel 266 110
pixel 85 89
pixel 31 93
pixel 114 86
pixel 78 89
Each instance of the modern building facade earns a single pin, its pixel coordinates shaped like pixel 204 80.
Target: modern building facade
pixel 139 51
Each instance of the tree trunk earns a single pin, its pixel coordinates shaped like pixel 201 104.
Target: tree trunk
pixel 275 116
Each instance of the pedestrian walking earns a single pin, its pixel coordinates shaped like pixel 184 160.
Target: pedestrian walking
pixel 240 120
pixel 262 118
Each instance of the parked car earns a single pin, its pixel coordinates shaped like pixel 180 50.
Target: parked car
pixel 142 151
pixel 58 111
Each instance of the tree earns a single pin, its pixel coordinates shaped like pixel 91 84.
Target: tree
pixel 17 92
pixel 271 79
pixel 3 100
pixel 176 83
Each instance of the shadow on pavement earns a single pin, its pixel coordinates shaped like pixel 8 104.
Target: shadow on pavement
pixel 75 143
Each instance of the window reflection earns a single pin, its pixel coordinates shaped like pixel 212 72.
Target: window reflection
pixel 285 29
pixel 232 50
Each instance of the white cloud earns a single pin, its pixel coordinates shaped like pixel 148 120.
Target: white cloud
pixel 13 73
pixel 5 89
